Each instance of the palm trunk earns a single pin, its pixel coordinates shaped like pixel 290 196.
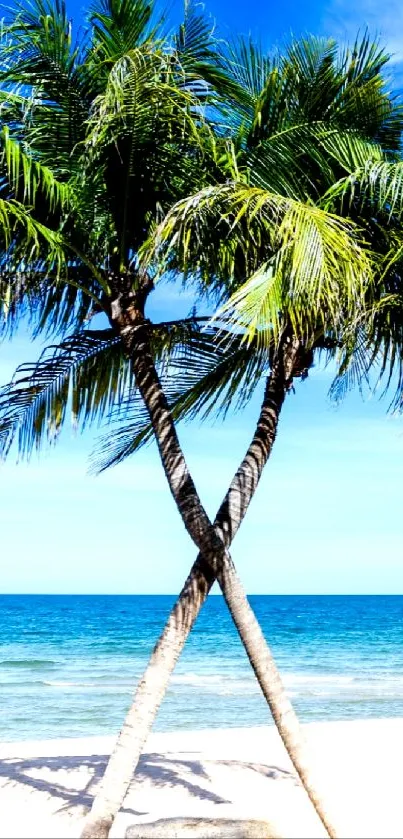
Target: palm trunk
pixel 214 561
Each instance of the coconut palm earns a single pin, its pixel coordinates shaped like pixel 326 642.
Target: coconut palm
pixel 121 110
pixel 343 165
pixel 88 129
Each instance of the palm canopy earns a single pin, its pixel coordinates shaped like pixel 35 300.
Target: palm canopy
pixel 306 231
pixel 107 117
pixel 99 137
pixel 128 151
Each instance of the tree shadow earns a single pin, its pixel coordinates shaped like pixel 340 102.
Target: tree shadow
pixel 160 770
pixel 169 773
pixel 18 771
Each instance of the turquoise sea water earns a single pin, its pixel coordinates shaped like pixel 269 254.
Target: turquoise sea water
pixel 68 664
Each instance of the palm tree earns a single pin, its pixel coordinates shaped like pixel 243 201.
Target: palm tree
pixel 119 109
pixel 259 304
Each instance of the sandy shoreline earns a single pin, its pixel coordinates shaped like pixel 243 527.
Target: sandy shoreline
pixel 46 786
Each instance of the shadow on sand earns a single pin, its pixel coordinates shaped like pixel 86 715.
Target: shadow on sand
pixel 157 769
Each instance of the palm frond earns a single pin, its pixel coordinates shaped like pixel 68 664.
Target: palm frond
pixel 193 41
pixel 24 239
pixel 365 95
pixel 87 376
pixel 344 87
pixel 86 371
pixel 298 261
pixel 118 27
pixel 211 373
pixel 41 60
pixel 143 124
pixel 378 184
pixel 354 363
pixel 301 159
pixel 198 55
pixel 248 67
pixel 28 179
pixel 384 344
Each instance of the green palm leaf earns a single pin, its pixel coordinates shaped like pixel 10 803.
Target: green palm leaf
pixel 86 375
pixel 119 26
pixel 314 267
pixel 29 180
pixel 144 116
pixel 86 371
pixel 377 184
pixel 40 58
pixel 205 376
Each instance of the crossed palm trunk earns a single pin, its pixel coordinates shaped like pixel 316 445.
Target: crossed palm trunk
pixel 213 562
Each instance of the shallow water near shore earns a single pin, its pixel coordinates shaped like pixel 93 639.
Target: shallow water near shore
pixel 69 664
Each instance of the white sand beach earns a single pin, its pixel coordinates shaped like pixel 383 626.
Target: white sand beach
pixel 46 787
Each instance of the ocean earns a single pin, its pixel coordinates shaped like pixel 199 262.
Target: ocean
pixel 69 664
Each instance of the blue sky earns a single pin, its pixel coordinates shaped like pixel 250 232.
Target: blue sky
pixel 327 514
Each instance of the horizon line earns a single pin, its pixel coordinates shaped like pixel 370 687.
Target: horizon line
pixel 214 594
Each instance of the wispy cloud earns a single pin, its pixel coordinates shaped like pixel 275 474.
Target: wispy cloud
pixel 344 19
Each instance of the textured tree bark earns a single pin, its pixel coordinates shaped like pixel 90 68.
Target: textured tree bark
pixel 213 562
